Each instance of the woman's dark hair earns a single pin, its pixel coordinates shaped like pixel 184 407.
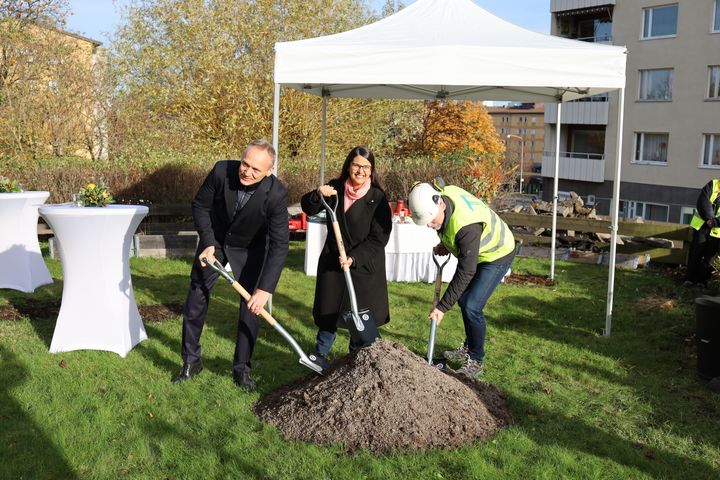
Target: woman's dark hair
pixel 365 153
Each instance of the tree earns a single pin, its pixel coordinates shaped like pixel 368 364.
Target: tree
pixel 461 137
pixel 46 81
pixel 202 70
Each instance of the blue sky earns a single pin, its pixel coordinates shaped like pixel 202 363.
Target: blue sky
pixel 98 18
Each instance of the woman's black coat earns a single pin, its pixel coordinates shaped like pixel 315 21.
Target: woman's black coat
pixel 365 230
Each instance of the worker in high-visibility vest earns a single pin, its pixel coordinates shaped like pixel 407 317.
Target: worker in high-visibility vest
pixel 484 247
pixel 706 235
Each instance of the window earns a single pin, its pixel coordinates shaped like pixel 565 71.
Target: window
pixel 533 120
pixel 716 19
pixel 587 141
pixel 660 21
pixel 647 211
pixel 651 148
pixel 686 214
pixel 656 85
pixel 714 82
pixel 711 150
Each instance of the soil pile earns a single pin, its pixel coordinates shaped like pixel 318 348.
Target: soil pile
pixel 384 397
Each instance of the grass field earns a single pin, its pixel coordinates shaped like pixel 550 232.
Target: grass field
pixel 585 406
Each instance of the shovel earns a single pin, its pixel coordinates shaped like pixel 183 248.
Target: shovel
pixel 360 323
pixel 436 299
pixel 304 360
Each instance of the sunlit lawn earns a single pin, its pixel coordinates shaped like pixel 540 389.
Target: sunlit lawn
pixel 585 406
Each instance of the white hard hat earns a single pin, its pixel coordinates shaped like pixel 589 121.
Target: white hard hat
pixel 424 202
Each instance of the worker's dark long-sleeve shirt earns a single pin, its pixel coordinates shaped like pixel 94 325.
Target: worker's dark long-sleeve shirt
pixel 705 209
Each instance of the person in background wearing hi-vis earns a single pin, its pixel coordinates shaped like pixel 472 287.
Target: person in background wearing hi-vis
pixel 706 235
pixel 484 247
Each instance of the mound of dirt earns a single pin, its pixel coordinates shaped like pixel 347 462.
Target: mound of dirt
pixel 529 279
pixel 384 397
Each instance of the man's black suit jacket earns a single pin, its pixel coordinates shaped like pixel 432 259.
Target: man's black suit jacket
pixel 261 226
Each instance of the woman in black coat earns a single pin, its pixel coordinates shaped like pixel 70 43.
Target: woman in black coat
pixel 365 223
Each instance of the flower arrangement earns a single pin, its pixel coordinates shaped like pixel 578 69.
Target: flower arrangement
pixel 9 186
pixel 92 195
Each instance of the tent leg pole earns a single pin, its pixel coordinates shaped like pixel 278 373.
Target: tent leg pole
pixel 276 124
pixel 615 209
pixel 323 139
pixel 555 192
pixel 275 142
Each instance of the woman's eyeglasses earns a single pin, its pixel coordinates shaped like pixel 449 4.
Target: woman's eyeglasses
pixel 365 168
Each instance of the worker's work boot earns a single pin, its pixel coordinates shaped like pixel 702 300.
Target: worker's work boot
pixel 458 355
pixel 471 368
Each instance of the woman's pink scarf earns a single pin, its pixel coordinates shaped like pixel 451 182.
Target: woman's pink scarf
pixel 351 195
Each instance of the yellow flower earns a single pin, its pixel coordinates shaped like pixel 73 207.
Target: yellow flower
pixel 91 186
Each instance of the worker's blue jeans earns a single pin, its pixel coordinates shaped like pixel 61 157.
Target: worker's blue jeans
pixel 472 301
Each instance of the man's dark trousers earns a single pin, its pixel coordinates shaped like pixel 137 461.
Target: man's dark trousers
pixel 246 267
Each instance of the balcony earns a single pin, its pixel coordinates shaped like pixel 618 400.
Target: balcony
pixel 564 5
pixel 592 112
pixel 586 167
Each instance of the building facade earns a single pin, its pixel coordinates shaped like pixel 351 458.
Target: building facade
pixel 671 134
pixel 522 127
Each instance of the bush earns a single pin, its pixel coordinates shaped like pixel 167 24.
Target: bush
pixel 130 181
pixel 175 179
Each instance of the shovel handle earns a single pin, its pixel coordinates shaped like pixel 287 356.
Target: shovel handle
pixel 217 266
pixel 336 227
pixel 438 278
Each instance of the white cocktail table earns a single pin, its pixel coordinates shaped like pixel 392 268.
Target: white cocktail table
pixel 21 263
pixel 98 310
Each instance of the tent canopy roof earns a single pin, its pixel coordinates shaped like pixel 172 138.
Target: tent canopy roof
pixel 449 49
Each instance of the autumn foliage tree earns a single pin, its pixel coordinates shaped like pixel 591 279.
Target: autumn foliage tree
pixel 462 133
pixel 47 83
pixel 197 76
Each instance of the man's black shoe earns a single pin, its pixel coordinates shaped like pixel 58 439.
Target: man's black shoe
pixel 244 381
pixel 188 371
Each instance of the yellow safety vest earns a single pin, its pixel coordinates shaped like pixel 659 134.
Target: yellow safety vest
pixel 496 240
pixel 697 222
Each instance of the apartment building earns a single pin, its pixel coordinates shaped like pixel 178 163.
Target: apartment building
pixel 522 127
pixel 671 134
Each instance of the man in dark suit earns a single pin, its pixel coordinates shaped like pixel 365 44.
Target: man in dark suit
pixel 240 213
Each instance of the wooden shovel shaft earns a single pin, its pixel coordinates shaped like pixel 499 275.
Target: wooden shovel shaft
pixel 244 294
pixel 340 243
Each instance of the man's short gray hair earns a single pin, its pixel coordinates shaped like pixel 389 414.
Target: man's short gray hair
pixel 262 145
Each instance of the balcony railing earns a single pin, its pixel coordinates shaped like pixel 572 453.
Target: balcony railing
pixel 605 39
pixel 587 167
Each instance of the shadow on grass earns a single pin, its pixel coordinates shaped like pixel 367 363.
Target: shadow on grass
pixel 26 452
pixel 576 435
pixel 162 433
pixel 651 346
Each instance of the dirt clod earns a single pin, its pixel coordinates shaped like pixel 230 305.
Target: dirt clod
pixel 382 398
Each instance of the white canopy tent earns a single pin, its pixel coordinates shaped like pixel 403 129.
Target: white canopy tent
pixel 455 50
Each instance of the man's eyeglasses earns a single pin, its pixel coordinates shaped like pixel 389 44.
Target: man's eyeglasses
pixel 365 168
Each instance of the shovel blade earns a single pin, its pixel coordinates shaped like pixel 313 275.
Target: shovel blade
pixel 369 332
pixel 311 365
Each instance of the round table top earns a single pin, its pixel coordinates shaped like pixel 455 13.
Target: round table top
pixel 67 209
pixel 24 195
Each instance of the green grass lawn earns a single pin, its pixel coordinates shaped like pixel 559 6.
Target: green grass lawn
pixel 585 406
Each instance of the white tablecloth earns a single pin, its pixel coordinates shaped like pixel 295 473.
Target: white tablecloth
pixel 21 263
pixel 408 254
pixel 98 310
